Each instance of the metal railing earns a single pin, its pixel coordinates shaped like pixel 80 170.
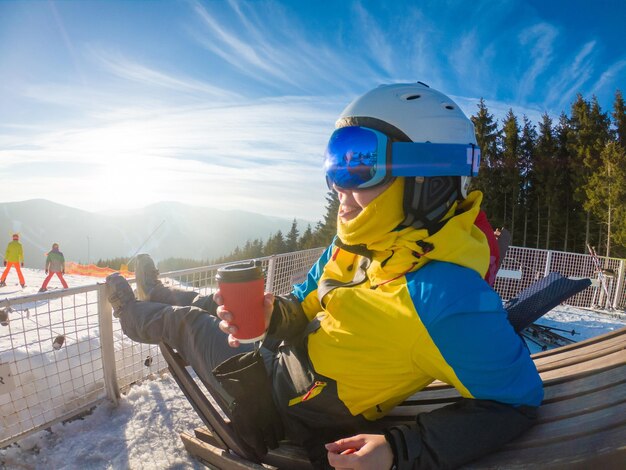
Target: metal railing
pixel 62 352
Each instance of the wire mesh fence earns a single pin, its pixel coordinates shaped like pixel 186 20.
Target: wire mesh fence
pixel 50 359
pixel 523 266
pixel 62 352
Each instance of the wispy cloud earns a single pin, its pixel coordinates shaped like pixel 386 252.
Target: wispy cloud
pixel 609 77
pixel 232 48
pixel 377 41
pixel 471 59
pixel 272 47
pixel 130 70
pixel 69 44
pixel 572 77
pixel 499 108
pixel 538 41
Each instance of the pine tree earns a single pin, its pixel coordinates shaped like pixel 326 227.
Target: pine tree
pixel 487 135
pixel 526 169
pixel 601 125
pixel 257 248
pixel 579 142
pixel 607 187
pixel 327 229
pixel 546 176
pixel 619 119
pixel 307 240
pixel 569 207
pixel 292 237
pixel 275 244
pixel 511 178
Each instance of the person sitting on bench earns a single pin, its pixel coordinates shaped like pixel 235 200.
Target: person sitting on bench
pixel 396 302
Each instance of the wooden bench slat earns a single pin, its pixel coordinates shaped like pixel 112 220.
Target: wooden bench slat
pixel 221 458
pixel 571 428
pixel 206 435
pixel 562 389
pixel 287 456
pixel 550 377
pixel 580 355
pixel 586 367
pixel 608 390
pixel 605 449
pixel 583 403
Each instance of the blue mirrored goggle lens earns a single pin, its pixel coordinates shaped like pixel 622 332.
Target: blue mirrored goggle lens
pixel 355 158
pixel 360 158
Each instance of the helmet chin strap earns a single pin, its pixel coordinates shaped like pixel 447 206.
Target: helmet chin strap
pixel 427 200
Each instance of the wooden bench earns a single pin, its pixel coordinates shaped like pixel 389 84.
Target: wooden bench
pixel 582 421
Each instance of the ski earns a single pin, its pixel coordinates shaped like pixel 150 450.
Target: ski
pixel 600 272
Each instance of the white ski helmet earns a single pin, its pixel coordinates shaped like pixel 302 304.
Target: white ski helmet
pixel 414 112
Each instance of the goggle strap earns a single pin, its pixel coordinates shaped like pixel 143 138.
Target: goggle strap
pixel 427 159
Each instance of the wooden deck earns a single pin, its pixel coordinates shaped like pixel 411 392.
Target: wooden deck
pixel 581 423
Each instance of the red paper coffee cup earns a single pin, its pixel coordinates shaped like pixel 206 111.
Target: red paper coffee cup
pixel 242 289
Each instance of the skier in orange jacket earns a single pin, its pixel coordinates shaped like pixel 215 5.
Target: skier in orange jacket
pixel 13 257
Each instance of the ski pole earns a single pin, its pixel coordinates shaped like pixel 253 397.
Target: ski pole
pixel 145 241
pixel 573 332
pixel 542 346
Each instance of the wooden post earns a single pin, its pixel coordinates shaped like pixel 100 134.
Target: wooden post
pixel 105 322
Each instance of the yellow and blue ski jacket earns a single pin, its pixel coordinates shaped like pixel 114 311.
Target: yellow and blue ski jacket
pixel 400 308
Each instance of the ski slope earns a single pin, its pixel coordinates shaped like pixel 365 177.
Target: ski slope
pixel 142 431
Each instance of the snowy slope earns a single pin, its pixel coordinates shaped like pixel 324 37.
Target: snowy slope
pixel 34 279
pixel 142 432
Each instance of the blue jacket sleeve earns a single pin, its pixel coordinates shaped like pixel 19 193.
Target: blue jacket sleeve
pixel 301 291
pixel 465 319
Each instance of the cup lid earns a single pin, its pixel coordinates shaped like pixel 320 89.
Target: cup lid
pixel 240 272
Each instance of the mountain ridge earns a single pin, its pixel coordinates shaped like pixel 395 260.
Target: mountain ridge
pixel 163 229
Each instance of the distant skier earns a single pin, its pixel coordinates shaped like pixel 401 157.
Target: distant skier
pixel 55 264
pixel 13 257
pixel 504 241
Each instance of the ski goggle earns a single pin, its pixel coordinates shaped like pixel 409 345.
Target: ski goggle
pixel 360 157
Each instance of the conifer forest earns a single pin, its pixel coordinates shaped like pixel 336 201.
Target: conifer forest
pixel 557 185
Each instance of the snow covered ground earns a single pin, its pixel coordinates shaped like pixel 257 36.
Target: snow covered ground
pixel 142 431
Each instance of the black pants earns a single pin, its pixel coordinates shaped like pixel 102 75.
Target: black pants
pixel 186 321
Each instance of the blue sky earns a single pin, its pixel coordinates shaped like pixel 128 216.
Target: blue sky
pixel 119 104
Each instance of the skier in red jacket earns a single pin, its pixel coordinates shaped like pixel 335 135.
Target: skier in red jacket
pixel 55 264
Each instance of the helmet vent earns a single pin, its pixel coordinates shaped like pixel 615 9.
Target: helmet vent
pixel 412 97
pixel 448 106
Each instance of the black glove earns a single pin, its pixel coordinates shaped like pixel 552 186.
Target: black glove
pixel 22 263
pixel 5 262
pixel 254 414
